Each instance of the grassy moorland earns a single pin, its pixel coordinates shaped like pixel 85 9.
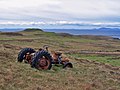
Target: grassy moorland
pixel 90 72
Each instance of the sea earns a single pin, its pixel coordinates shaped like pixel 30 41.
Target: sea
pixel 114 32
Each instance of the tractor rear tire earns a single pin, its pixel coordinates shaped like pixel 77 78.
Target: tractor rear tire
pixel 42 60
pixel 23 52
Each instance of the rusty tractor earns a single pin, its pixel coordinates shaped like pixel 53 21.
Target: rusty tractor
pixel 42 59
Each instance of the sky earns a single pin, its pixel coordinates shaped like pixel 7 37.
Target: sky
pixel 60 12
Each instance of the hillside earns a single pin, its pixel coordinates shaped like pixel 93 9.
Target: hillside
pixel 92 70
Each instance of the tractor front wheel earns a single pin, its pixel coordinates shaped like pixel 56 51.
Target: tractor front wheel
pixel 67 65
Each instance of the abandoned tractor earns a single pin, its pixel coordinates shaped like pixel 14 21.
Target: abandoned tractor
pixel 42 59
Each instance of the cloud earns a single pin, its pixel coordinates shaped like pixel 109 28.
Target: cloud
pixel 57 10
pixel 92 8
pixel 77 23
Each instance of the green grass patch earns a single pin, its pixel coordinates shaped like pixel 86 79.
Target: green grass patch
pixel 110 59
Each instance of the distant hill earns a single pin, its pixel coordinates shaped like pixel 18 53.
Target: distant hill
pixel 105 28
pixel 11 29
pixel 32 29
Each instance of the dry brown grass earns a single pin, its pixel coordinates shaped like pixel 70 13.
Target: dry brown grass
pixel 86 74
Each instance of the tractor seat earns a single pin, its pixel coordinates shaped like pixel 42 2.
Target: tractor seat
pixel 58 53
